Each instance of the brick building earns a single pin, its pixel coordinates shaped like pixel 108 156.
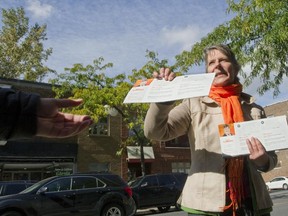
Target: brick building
pixel 278 109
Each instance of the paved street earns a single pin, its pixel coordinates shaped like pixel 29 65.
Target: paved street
pixel 280 201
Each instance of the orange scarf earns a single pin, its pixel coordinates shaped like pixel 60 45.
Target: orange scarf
pixel 228 98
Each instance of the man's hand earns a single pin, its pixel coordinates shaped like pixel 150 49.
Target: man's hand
pixel 54 124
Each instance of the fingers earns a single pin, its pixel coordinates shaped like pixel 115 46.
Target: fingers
pixel 75 124
pixel 65 103
pixel 62 125
pixel 258 152
pixel 254 145
pixel 249 145
pixel 73 128
pixel 256 149
pixel 164 73
pixel 49 105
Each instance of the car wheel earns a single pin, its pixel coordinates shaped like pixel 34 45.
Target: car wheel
pixel 285 186
pixel 11 213
pixel 113 210
pixel 164 208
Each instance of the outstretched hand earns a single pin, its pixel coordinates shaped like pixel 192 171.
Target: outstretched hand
pixel 54 124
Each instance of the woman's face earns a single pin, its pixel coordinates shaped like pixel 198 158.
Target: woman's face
pixel 219 64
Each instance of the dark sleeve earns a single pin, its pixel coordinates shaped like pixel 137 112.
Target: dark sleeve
pixel 17 114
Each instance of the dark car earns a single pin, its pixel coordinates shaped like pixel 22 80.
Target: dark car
pixel 13 187
pixel 158 190
pixel 101 194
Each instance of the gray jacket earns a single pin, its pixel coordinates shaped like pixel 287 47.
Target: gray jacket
pixel 199 118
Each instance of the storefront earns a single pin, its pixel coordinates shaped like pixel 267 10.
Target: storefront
pixel 36 160
pixel 134 160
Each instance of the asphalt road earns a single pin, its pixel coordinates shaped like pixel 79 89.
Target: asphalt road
pixel 279 198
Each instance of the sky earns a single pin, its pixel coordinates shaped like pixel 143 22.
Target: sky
pixel 120 31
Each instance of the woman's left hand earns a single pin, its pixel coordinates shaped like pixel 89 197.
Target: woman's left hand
pixel 258 152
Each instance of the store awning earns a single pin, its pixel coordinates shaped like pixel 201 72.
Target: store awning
pixel 134 154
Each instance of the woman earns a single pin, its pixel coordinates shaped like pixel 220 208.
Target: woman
pixel 215 185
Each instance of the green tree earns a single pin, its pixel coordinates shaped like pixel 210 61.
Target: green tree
pixel 258 34
pixel 97 90
pixel 21 48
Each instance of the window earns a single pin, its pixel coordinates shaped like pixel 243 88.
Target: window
pixel 83 183
pixel 182 167
pixel 101 128
pixel 100 183
pixel 14 188
pixel 59 185
pixel 21 176
pixel 166 180
pixel 150 181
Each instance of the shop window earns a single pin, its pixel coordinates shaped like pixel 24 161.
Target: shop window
pixel 48 174
pixel 21 176
pixel 7 176
pixel 182 167
pixel 101 128
pixel 36 176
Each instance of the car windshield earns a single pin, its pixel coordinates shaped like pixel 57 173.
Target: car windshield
pixel 32 187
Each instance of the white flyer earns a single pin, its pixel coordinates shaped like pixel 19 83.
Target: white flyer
pixel 155 90
pixel 272 132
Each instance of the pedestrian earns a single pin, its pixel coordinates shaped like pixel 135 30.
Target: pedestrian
pixel 216 186
pixel 26 115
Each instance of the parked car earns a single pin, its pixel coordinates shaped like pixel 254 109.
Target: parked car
pixel 158 190
pixel 102 194
pixel 13 187
pixel 280 182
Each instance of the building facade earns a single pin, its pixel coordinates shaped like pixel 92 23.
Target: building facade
pixel 273 110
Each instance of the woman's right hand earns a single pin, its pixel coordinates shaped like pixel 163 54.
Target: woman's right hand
pixel 164 73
